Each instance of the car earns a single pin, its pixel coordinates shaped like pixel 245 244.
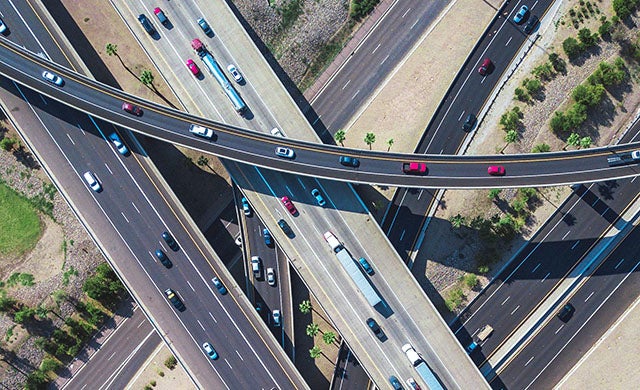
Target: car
pixel 146 24
pixel 245 206
pixel 496 170
pixel 365 265
pixel 168 238
pixel 531 24
pixel 281 151
pixel 256 266
pixel 521 14
pixel 173 297
pixel 238 240
pixel 163 258
pixel 204 26
pixel 52 78
pixel 267 237
pixel 376 329
pixel 3 27
pixel 395 383
pixel 93 182
pixel 210 351
pixel 271 277
pixel 221 288
pixel 289 205
pixel 132 109
pixel 276 132
pixel 285 227
pixel 161 16
pixel 348 161
pixel 469 123
pixel 277 317
pixel 485 67
pixel 566 312
pixel 120 146
pixel 413 384
pixel 193 67
pixel 201 131
pixel 234 72
pixel 319 198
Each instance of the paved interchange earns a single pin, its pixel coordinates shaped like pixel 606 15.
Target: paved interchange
pixel 338 207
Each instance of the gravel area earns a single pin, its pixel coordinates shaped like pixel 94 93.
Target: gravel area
pixel 296 47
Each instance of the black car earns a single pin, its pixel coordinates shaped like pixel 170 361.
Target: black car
pixel 285 227
pixel 376 329
pixel 469 122
pixel 174 299
pixel 348 161
pixel 146 24
pixel 531 24
pixel 163 258
pixel 168 238
pixel 566 312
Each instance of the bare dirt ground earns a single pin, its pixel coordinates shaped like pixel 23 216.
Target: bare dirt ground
pixel 154 371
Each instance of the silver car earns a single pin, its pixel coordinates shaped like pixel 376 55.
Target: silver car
pixel 271 277
pixel 93 182
pixel 281 151
pixel 234 72
pixel 52 78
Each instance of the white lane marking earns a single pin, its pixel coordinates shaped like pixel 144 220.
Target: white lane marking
pixel 81 129
pixel 420 194
pixel 213 318
pixel 70 139
pixel 402 235
pixel 406 12
pixel 619 264
pixel 545 277
pixel 202 326
pixel 505 301
pixel 461 114
pixel 108 169
pixel 240 356
pixel 134 206
pixel 535 268
pixel 125 217
pixel 302 184
pixel 142 322
pixel 515 310
pixel 414 24
pixel 634 179
pixel 384 60
pixel 112 355
pixel 43 100
pixel 528 361
pixel 509 41
pixel 189 283
pixel 566 234
pixel 354 95
pixel 575 245
pixel 596 202
pixel 587 298
pixel 115 374
pixel 229 364
pixel 605 211
pixel 534 5
pixel 559 329
pixel 345 84
pixel 374 50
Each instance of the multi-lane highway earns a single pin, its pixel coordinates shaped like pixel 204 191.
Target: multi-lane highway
pixel 311 159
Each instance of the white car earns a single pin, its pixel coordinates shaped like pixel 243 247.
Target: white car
pixel 277 318
pixel 276 132
pixel 93 182
pixel 52 78
pixel 3 27
pixel 234 72
pixel 281 151
pixel 271 277
pixel 201 131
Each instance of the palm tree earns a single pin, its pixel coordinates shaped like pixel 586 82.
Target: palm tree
pixel 509 138
pixel 312 330
pixel 457 221
pixel 315 352
pixel 329 338
pixel 340 136
pixel 112 50
pixel 369 139
pixel 389 144
pixel 146 77
pixel 305 307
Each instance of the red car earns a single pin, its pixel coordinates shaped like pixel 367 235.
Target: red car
pixel 485 67
pixel 496 170
pixel 193 67
pixel 131 109
pixel 289 205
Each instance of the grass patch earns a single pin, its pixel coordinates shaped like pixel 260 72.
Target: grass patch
pixel 22 278
pixel 19 223
pixel 9 333
pixel 290 12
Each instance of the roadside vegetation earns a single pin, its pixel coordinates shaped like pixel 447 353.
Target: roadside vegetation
pixel 19 223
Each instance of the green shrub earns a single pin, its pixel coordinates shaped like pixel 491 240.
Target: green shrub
pixel 522 95
pixel 362 8
pixel 588 94
pixel 541 148
pixel 8 143
pixel 534 86
pixel 470 280
pixel 543 72
pixel 605 29
pixel 571 47
pixel 170 362
pixel 50 364
pixel 455 298
pixel 624 8
pixel 557 63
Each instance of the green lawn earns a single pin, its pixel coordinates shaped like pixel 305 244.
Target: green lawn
pixel 20 226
